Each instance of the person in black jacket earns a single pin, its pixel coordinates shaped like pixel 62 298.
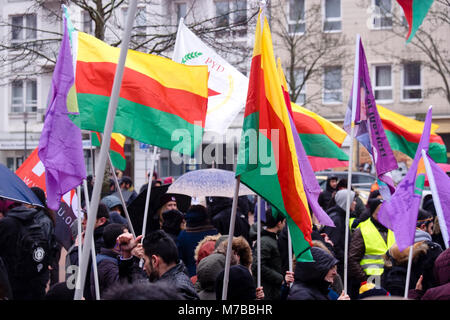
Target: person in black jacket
pixel 162 264
pixel 312 280
pixel 330 189
pixel 107 259
pixel 220 212
pixel 337 234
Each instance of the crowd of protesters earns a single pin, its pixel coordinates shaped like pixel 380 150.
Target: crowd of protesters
pixel 183 255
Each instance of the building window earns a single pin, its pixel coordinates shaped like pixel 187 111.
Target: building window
pixel 23 96
pixel 383 83
pixel 228 13
pixel 382 14
pixel 412 82
pixel 140 22
pixel 332 88
pixel 332 16
pixel 299 75
pixel 24 27
pixel 87 23
pixel 181 9
pixel 296 21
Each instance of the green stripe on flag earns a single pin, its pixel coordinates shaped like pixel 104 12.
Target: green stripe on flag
pixel 319 145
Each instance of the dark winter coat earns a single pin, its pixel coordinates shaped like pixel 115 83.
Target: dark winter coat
pixel 22 288
pixel 442 274
pixel 207 271
pixel 326 195
pixel 337 235
pixel 176 278
pixel 309 282
pixel 271 269
pixel 424 255
pixel 221 215
pixel 107 270
pixel 188 240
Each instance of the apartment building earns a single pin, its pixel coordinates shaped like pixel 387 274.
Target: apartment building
pixel 320 78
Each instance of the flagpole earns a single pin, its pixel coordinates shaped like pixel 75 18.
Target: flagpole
pixel 104 150
pixel 258 243
pixel 408 273
pixel 350 160
pixel 94 259
pixel 436 200
pixel 230 239
pixel 124 205
pixel 147 199
pixel 290 250
pixel 79 236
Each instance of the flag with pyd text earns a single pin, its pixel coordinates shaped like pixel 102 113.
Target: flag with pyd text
pixel 60 145
pixel 368 127
pixel 227 87
pixel 400 212
pixel 267 160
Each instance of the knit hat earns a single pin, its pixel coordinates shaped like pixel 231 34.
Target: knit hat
pixel 373 204
pixel 241 285
pixel 369 289
pixel 197 215
pixel 172 220
pixel 111 201
pixel 341 198
pixel 205 250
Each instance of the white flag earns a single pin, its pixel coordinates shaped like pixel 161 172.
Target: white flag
pixel 227 92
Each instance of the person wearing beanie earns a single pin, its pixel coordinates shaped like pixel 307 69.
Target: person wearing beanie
pixel 367 249
pixel 198 226
pixel 173 222
pixel 241 286
pixel 106 259
pixel 337 234
pixel 312 280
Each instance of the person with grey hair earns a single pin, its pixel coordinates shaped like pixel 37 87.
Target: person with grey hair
pixel 337 234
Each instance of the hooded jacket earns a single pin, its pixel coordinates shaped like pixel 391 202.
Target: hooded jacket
pixel 309 277
pixel 326 195
pixel 442 274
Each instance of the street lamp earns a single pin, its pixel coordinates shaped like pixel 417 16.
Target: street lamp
pixel 25 121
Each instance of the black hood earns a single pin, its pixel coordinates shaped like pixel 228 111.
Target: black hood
pixel 315 272
pixel 328 187
pixel 22 212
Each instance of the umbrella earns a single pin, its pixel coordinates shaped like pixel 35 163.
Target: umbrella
pixel 13 188
pixel 137 207
pixel 208 183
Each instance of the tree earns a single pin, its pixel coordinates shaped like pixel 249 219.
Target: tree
pixel 308 49
pixel 430 41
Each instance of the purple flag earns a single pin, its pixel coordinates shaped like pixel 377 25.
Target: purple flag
pixel 60 145
pixel 369 130
pixel 400 212
pixel 310 184
pixel 442 181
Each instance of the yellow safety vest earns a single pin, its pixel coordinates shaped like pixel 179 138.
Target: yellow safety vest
pixel 376 247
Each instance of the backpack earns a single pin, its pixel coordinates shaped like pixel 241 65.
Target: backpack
pixel 32 250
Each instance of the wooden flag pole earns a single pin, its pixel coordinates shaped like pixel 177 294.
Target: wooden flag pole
pixel 350 160
pixel 230 239
pixel 104 149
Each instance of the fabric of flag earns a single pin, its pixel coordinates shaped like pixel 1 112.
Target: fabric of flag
pixel 227 87
pixel 32 172
pixel 320 137
pixel 404 135
pixel 162 103
pixel 415 12
pixel 267 160
pixel 310 183
pixel 60 144
pixel 442 181
pixel 400 212
pixel 368 126
pixel 116 148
